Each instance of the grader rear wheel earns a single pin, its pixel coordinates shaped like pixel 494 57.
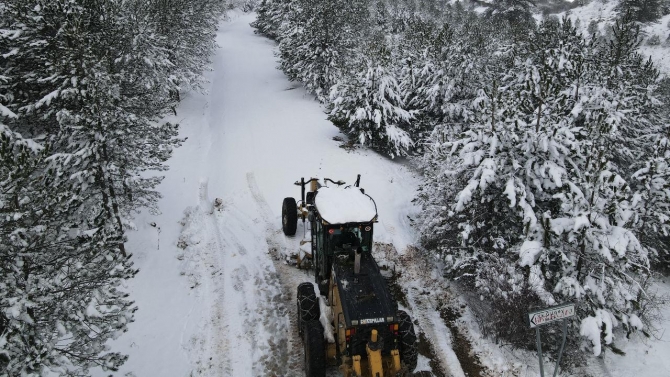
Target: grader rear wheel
pixel 308 306
pixel 315 350
pixel 408 349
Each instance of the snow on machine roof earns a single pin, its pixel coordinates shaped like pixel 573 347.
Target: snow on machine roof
pixel 339 205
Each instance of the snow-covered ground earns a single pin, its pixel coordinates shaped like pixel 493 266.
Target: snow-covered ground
pixel 215 297
pixel 644 356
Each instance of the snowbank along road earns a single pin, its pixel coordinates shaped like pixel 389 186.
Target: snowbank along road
pixel 215 295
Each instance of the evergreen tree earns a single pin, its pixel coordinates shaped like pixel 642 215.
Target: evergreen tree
pixel 82 88
pixel 538 196
pixel 370 108
pixel 641 10
pixel 96 99
pixel 516 12
pixel 60 297
pixel 317 40
pixel 270 15
pixel 442 72
pixel 187 31
pixel 642 131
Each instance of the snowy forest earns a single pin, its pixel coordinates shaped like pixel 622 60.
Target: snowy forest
pixel 544 149
pixel 83 88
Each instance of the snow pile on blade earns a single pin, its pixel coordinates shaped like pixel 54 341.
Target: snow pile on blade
pixel 344 205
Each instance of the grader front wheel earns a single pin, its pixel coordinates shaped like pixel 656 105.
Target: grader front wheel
pixel 289 216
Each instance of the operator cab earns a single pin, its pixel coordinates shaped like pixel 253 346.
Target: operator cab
pixel 341 223
pixel 338 242
pixel 348 239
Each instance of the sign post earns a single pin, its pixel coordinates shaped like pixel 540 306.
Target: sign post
pixel 549 315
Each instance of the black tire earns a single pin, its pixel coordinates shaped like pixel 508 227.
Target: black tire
pixel 315 350
pixel 408 349
pixel 289 216
pixel 308 306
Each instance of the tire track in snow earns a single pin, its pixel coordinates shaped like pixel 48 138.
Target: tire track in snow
pixel 288 276
pixel 436 332
pixel 216 344
pixel 255 280
pixel 254 307
pixel 244 331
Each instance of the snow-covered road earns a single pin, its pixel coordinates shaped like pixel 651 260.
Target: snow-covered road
pixel 215 297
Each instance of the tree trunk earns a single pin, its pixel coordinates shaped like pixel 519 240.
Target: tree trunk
pixel 114 201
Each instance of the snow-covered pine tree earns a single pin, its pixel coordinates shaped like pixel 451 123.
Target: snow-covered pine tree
pixel 442 75
pixel 641 10
pixel 60 297
pixel 187 29
pixel 662 257
pixel 107 87
pixel 540 206
pixel 651 183
pixel 419 76
pixel 628 73
pixel 262 21
pixel 643 132
pixel 270 14
pixel 370 108
pixel 88 81
pixel 516 12
pixel 316 41
pixel 291 35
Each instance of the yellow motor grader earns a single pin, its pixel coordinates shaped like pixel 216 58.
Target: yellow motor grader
pixel 354 322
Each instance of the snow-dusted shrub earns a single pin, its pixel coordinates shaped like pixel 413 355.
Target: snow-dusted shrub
pixel 654 40
pixel 593 29
pixel 503 297
pixel 547 178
